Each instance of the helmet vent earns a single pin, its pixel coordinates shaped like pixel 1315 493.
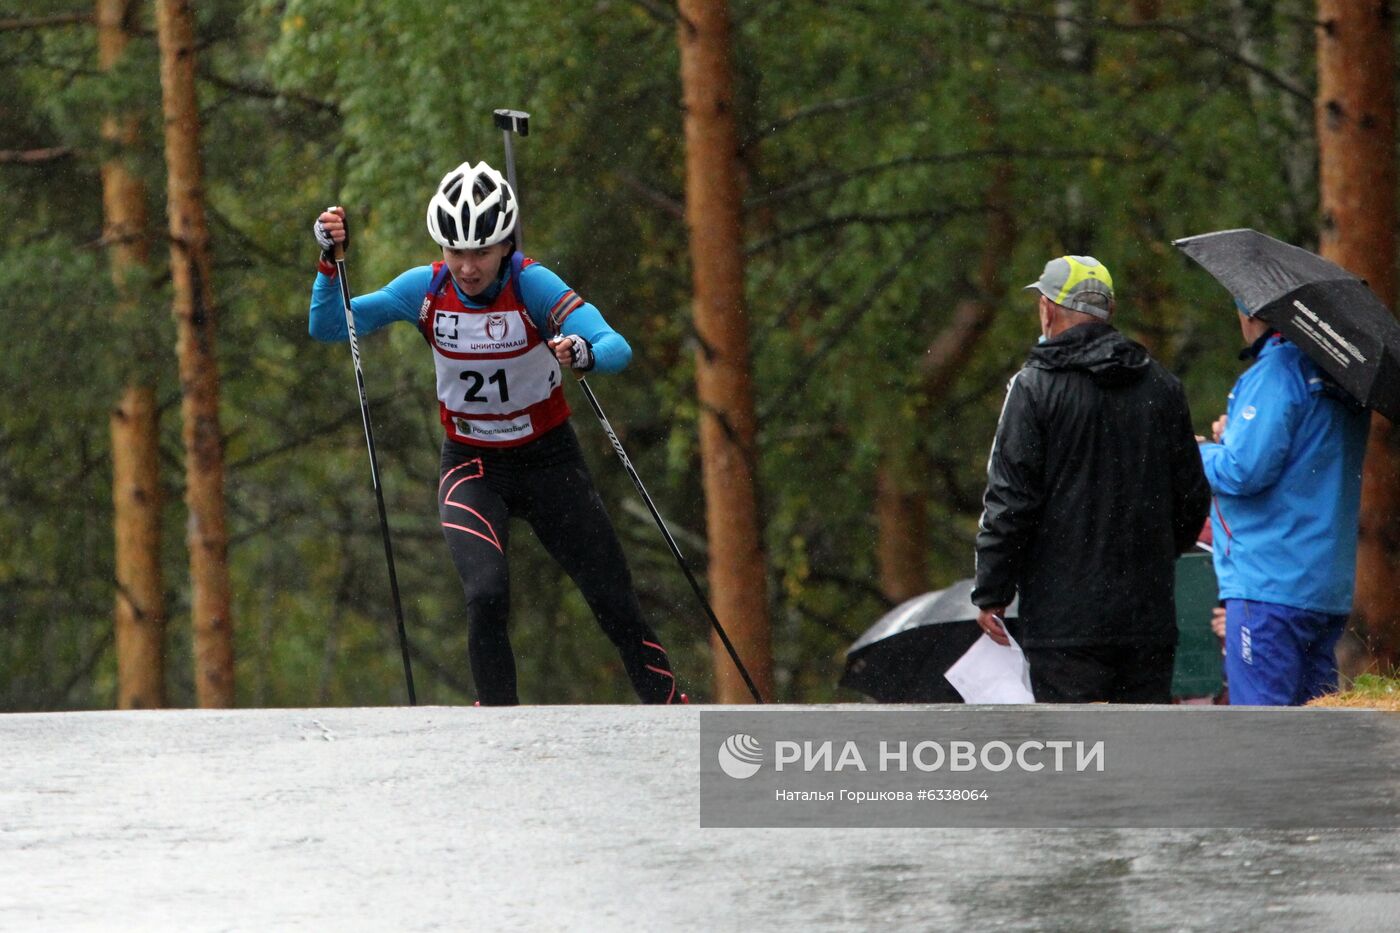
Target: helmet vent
pixel 452 191
pixel 448 225
pixel 483 189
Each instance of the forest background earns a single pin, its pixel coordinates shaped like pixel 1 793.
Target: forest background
pixel 900 170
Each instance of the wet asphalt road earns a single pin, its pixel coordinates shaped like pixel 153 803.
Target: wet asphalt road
pixel 570 818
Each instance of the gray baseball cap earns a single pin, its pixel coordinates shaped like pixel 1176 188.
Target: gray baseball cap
pixel 1080 283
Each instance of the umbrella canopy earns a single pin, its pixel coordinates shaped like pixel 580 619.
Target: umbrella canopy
pixel 902 657
pixel 1329 313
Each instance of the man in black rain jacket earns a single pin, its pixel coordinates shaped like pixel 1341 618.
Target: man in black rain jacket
pixel 1094 486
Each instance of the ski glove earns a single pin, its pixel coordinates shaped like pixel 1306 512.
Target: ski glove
pixel 324 240
pixel 581 352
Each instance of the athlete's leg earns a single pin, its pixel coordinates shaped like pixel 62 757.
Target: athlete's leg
pixel 568 516
pixel 475 523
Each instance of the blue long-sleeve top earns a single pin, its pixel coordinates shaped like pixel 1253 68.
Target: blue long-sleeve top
pixel 1287 484
pixel 400 300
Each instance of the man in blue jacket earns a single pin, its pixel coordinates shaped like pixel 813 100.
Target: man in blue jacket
pixel 1286 474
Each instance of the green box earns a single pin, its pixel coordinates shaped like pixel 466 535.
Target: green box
pixel 1198 671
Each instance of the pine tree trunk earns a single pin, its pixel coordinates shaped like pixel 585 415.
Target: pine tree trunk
pixel 136 499
pixel 1356 160
pixel 901 519
pixel 194 311
pixel 139 615
pixel 722 373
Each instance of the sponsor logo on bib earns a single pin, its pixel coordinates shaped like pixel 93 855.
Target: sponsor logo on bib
pixel 497 327
pixel 494 430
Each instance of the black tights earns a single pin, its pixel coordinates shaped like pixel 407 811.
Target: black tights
pixel 546 483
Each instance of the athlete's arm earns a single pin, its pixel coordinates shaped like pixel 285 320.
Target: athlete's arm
pixel 397 301
pixel 555 308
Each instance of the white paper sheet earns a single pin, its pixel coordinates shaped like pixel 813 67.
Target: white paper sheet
pixel 992 673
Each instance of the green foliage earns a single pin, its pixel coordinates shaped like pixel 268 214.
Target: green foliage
pixel 55 502
pixel 871 132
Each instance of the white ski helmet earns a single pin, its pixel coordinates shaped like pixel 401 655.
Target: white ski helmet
pixel 473 207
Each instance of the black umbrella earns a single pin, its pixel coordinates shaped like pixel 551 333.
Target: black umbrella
pixel 902 657
pixel 1328 312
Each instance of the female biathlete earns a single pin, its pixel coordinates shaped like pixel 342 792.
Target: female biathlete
pixel 499 326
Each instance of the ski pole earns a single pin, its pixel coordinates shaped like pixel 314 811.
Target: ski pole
pixel 670 541
pixel 374 467
pixel 509 121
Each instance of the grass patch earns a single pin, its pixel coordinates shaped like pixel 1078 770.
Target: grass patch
pixel 1368 691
